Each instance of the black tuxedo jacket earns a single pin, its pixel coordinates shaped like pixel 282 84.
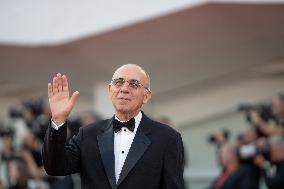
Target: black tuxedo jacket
pixel 155 159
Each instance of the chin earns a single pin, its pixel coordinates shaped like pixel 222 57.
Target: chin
pixel 123 110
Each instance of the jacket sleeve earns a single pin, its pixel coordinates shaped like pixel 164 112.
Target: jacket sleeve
pixel 173 165
pixel 59 158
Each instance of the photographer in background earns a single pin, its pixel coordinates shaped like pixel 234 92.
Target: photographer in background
pixel 236 173
pixel 229 162
pixel 265 149
pixel 275 113
pixel 278 108
pixel 218 138
pixel 6 153
pixel 273 171
pixel 247 152
pixel 31 154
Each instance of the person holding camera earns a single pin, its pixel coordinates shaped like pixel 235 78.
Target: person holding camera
pixel 229 162
pixel 273 171
pixel 248 172
pixel 276 113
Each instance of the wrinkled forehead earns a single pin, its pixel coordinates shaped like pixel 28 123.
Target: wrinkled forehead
pixel 130 72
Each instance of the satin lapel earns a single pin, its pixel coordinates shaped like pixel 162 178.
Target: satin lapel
pixel 105 142
pixel 137 149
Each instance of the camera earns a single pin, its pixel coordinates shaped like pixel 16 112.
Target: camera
pixel 218 137
pixel 263 110
pixel 251 150
pixel 6 132
pixel 15 113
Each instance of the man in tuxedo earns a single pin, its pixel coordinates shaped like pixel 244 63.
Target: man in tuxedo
pixel 126 151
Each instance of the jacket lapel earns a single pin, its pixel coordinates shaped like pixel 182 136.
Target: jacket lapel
pixel 105 142
pixel 137 149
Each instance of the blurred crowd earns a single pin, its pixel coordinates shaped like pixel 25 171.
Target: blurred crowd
pixel 21 139
pixel 257 156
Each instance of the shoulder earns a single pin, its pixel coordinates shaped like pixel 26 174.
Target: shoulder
pixel 165 128
pixel 96 127
pixel 162 129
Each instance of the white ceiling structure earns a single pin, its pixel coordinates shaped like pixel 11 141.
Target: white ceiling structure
pixel 187 46
pixel 34 22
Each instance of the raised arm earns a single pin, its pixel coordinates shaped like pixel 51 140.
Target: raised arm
pixel 58 158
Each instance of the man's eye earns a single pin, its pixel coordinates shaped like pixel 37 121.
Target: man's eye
pixel 134 84
pixel 118 82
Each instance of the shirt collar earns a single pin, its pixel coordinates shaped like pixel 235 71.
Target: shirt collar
pixel 137 118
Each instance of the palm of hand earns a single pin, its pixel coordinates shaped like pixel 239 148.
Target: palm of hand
pixel 60 103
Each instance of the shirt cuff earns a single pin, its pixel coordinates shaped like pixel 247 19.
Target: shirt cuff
pixel 54 126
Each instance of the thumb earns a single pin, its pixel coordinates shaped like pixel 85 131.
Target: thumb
pixel 74 97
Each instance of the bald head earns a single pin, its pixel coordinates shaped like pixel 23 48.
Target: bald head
pixel 138 68
pixel 228 154
pixel 129 90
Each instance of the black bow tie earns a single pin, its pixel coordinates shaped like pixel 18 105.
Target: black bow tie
pixel 117 125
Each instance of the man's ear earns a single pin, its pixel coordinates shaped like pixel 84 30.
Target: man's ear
pixel 109 90
pixel 147 96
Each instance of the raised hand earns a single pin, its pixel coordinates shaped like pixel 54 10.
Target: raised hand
pixel 58 95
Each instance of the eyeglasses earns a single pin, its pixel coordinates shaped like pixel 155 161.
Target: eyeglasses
pixel 132 83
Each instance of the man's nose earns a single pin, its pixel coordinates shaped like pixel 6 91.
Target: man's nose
pixel 125 87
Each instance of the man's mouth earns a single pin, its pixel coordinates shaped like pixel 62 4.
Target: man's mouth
pixel 123 98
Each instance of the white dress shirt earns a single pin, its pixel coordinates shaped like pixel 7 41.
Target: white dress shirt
pixel 122 143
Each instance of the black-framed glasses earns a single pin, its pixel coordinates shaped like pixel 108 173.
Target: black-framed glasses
pixel 132 83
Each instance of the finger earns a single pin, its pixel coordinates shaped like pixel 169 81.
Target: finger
pixel 49 90
pixel 73 98
pixel 55 85
pixel 65 83
pixel 59 79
